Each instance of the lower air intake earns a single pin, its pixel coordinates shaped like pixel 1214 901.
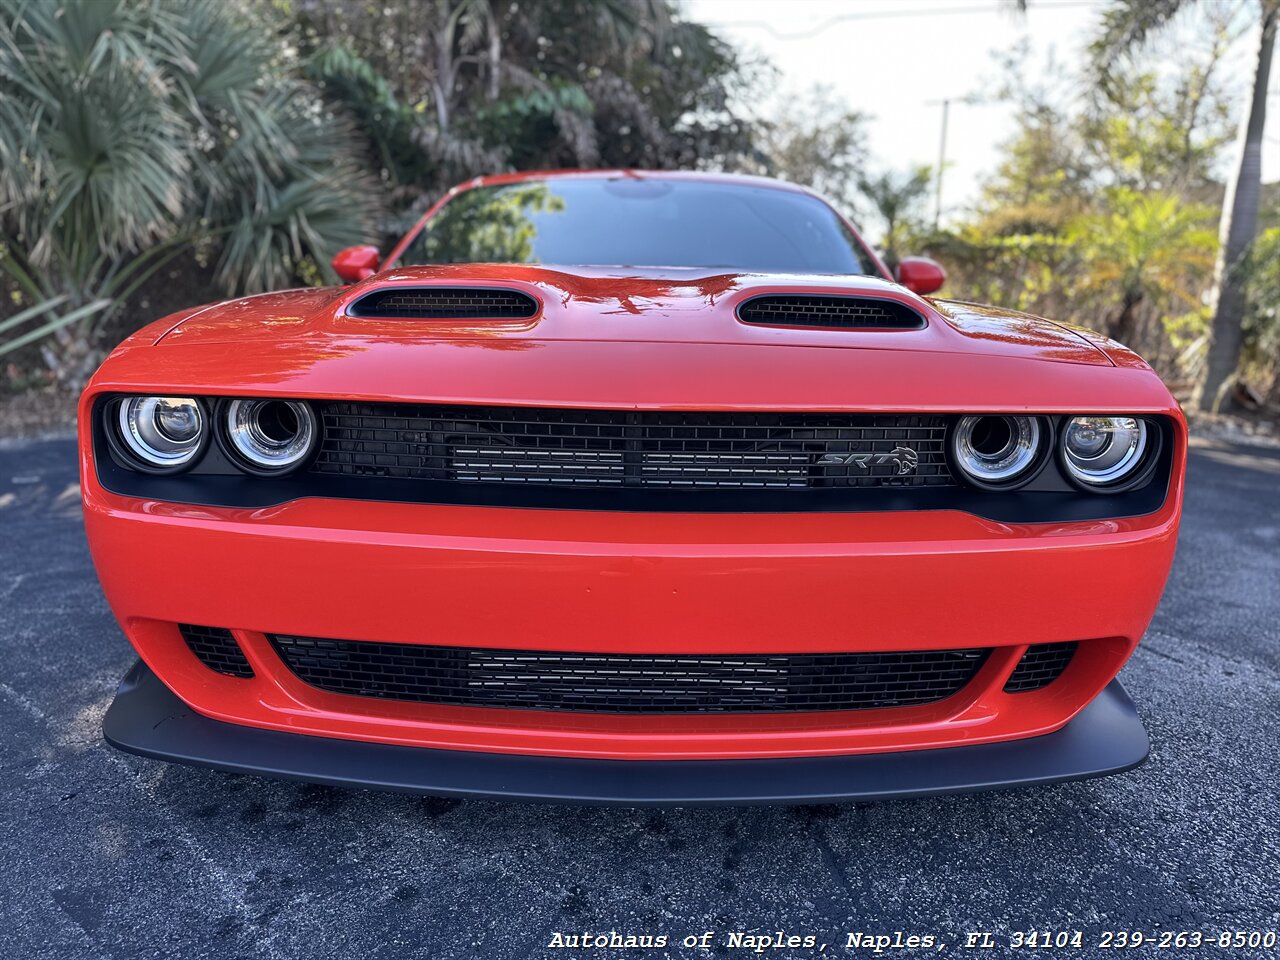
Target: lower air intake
pixel 217 649
pixel 1042 664
pixel 627 683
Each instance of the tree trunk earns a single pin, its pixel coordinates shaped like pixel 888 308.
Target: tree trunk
pixel 442 106
pixel 890 255
pixel 1239 226
pixel 446 76
pixel 1125 327
pixel 495 56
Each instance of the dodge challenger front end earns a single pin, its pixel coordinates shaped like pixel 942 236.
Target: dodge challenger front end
pixel 630 488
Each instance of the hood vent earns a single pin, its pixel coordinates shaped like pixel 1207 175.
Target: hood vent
pixel 445 303
pixel 832 312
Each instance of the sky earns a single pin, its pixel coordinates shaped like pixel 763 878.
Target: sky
pixel 897 59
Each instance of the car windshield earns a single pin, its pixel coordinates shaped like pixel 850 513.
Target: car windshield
pixel 641 222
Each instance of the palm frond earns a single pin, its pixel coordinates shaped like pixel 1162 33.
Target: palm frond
pixel 129 127
pixel 1125 26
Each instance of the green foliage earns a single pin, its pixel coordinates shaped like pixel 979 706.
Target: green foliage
pixel 820 143
pixel 1127 27
pixel 477 86
pixel 489 226
pixel 1262 318
pixel 1023 271
pixel 897 200
pixel 135 128
pixel 1124 27
pixel 548 126
pixel 42 311
pixel 386 123
pixel 1149 135
pixel 1137 245
pixel 265 136
pixel 1143 249
pixel 1095 214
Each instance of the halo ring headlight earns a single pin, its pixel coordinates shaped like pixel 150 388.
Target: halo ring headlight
pixel 994 450
pixel 1104 451
pixel 161 434
pixel 269 436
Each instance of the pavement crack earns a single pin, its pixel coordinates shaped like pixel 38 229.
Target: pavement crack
pixel 1148 647
pixel 223 883
pixel 23 703
pixel 831 861
pixel 15 581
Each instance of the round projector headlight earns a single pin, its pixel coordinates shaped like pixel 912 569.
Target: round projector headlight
pixel 1103 451
pixel 270 436
pixel 161 433
pixel 996 450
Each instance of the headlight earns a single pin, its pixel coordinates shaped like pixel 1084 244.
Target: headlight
pixel 270 436
pixel 161 433
pixel 996 450
pixel 1103 451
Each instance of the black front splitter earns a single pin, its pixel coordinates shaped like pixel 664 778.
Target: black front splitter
pixel 148 719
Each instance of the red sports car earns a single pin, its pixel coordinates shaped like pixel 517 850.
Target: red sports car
pixel 629 487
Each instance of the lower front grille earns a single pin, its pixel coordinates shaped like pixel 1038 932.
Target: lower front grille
pixel 1042 664
pixel 217 649
pixel 629 683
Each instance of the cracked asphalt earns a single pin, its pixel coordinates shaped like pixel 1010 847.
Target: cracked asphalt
pixel 108 855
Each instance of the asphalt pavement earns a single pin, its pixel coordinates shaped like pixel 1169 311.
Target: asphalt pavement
pixel 108 855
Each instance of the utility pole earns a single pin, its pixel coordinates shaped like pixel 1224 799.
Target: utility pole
pixel 942 165
pixel 970 100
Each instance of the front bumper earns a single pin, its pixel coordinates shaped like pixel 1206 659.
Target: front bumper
pixel 146 718
pixel 628 583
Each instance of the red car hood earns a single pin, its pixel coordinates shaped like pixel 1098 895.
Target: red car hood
pixel 615 339
pixel 651 306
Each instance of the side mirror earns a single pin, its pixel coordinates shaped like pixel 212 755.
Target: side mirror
pixel 356 263
pixel 920 275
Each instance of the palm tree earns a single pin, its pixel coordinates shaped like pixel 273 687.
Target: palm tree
pixel 129 130
pixel 896 198
pixel 1142 248
pixel 1126 24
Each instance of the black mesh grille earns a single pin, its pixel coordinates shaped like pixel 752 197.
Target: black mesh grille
pixel 1042 664
pixel 601 448
pixel 804 310
pixel 217 649
pixel 608 683
pixel 446 303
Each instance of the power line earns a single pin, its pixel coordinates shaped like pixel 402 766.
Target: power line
pixel 830 22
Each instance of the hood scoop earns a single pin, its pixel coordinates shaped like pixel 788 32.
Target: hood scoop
pixel 829 312
pixel 445 303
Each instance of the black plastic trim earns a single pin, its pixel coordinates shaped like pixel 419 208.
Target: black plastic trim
pixel 1045 498
pixel 148 719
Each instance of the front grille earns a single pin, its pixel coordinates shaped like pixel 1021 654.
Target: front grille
pixel 445 303
pixel 1042 664
pixel 604 448
pixel 217 649
pixel 807 310
pixel 629 683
